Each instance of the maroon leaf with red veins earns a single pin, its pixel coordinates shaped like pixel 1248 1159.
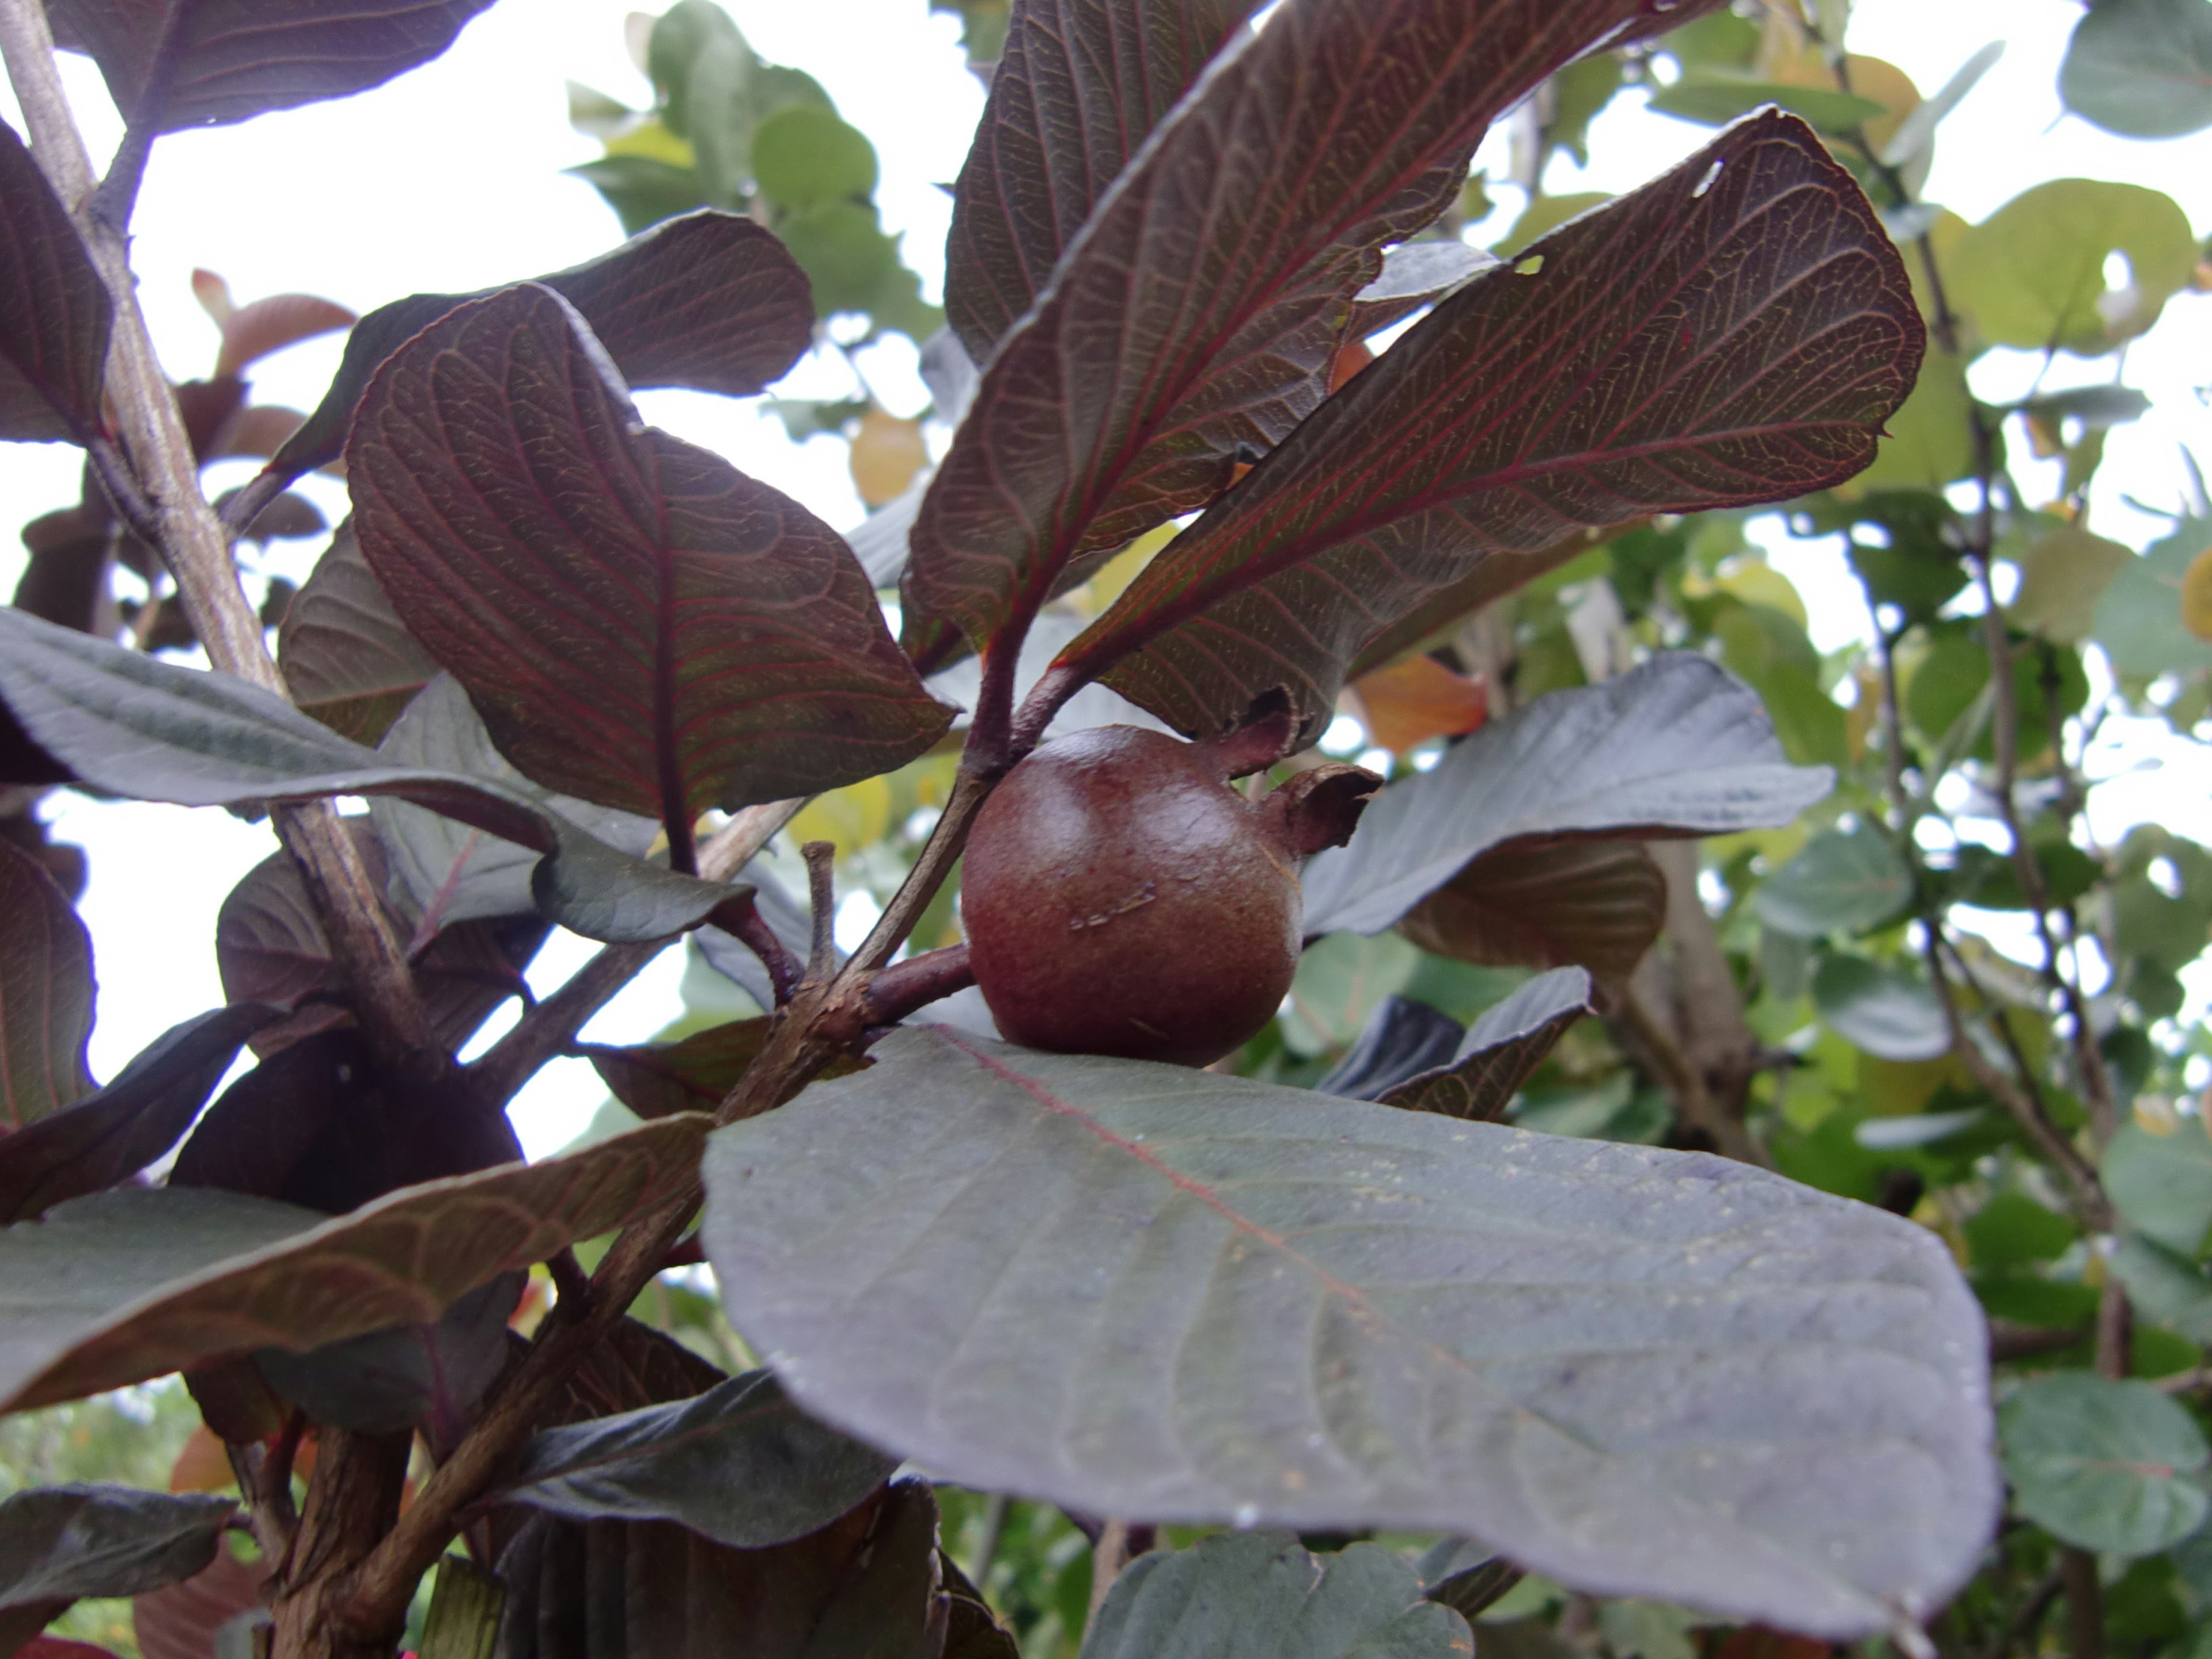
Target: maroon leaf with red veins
pixel 1734 332
pixel 1187 323
pixel 639 623
pixel 46 994
pixel 1078 86
pixel 55 313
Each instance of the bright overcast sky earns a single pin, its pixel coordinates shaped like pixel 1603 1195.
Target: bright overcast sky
pixel 449 179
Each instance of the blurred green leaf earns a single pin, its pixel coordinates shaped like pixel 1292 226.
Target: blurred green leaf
pixel 805 156
pixel 1884 1012
pixel 2032 274
pixel 2141 68
pixel 1341 980
pixel 1713 96
pixel 2013 1230
pixel 1842 881
pixel 2162 1184
pixel 2104 1465
pixel 2138 620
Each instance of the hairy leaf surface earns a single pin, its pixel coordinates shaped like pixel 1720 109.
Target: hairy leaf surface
pixel 738 1464
pixel 1078 87
pixel 639 624
pixel 59 1544
pixel 710 301
pixel 54 312
pixel 46 994
pixel 152 731
pixel 1749 351
pixel 230 60
pixel 1137 1289
pixel 133 1284
pixel 1676 746
pixel 1260 1593
pixel 1188 326
pixel 97 1142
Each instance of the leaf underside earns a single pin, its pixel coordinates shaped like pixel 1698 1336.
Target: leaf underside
pixel 347 658
pixel 136 1283
pixel 46 994
pixel 1499 1051
pixel 1136 1290
pixel 1227 258
pixel 1749 352
pixel 639 624
pixel 1537 903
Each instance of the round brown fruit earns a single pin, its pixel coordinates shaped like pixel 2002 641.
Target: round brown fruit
pixel 1120 898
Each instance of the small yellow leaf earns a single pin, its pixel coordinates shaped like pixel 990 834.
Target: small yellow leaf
pixel 855 817
pixel 2197 596
pixel 653 141
pixel 887 452
pixel 1405 705
pixel 203 1465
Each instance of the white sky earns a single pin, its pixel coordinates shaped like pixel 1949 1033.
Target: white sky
pixel 449 179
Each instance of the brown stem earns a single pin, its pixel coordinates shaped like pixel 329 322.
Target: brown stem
pixel 939 854
pixel 821 857
pixel 352 1503
pixel 2084 1605
pixel 1109 1556
pixel 2115 1330
pixel 744 923
pixel 918 981
pixel 192 541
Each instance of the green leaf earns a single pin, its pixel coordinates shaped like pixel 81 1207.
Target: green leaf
pixel 59 1544
pixel 2032 274
pixel 2013 1230
pixel 230 60
pixel 1916 566
pixel 1673 747
pixel 1032 176
pixel 654 1080
pixel 2162 1184
pixel 642 191
pixel 1500 1050
pixel 644 626
pixel 1218 309
pixel 1136 1289
pixel 139 1282
pixel 1770 650
pixel 2138 620
pixel 1341 980
pixel 45 994
pixel 864 1587
pixel 1841 881
pixel 803 156
pixel 1713 98
pixel 2166 1287
pixel 347 658
pixel 54 312
pixel 1260 1593
pixel 2063 574
pixel 1484 438
pixel 118 1132
pixel 738 1464
pixel 1929 440
pixel 1887 1013
pixel 2104 1465
pixel 1538 903
pixel 2141 68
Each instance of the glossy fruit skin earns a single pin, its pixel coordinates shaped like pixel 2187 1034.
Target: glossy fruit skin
pixel 1119 898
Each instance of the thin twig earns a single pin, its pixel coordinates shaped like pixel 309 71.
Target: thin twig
pixel 1109 1556
pixel 821 857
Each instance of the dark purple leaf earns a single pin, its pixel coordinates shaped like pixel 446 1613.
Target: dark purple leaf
pixel 1135 1289
pixel 152 731
pixel 710 301
pixel 180 1620
pixel 54 312
pixel 1597 904
pixel 264 326
pixel 234 60
pixel 1078 86
pixel 1499 1050
pixel 1676 746
pixel 136 1283
pixel 347 659
pixel 639 624
pixel 654 1080
pixel 270 947
pixel 864 1587
pixel 1190 324
pixel 1734 332
pixel 383 1382
pixel 46 994
pixel 59 1544
pixel 1401 1039
pixel 738 1464
pixel 115 1134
